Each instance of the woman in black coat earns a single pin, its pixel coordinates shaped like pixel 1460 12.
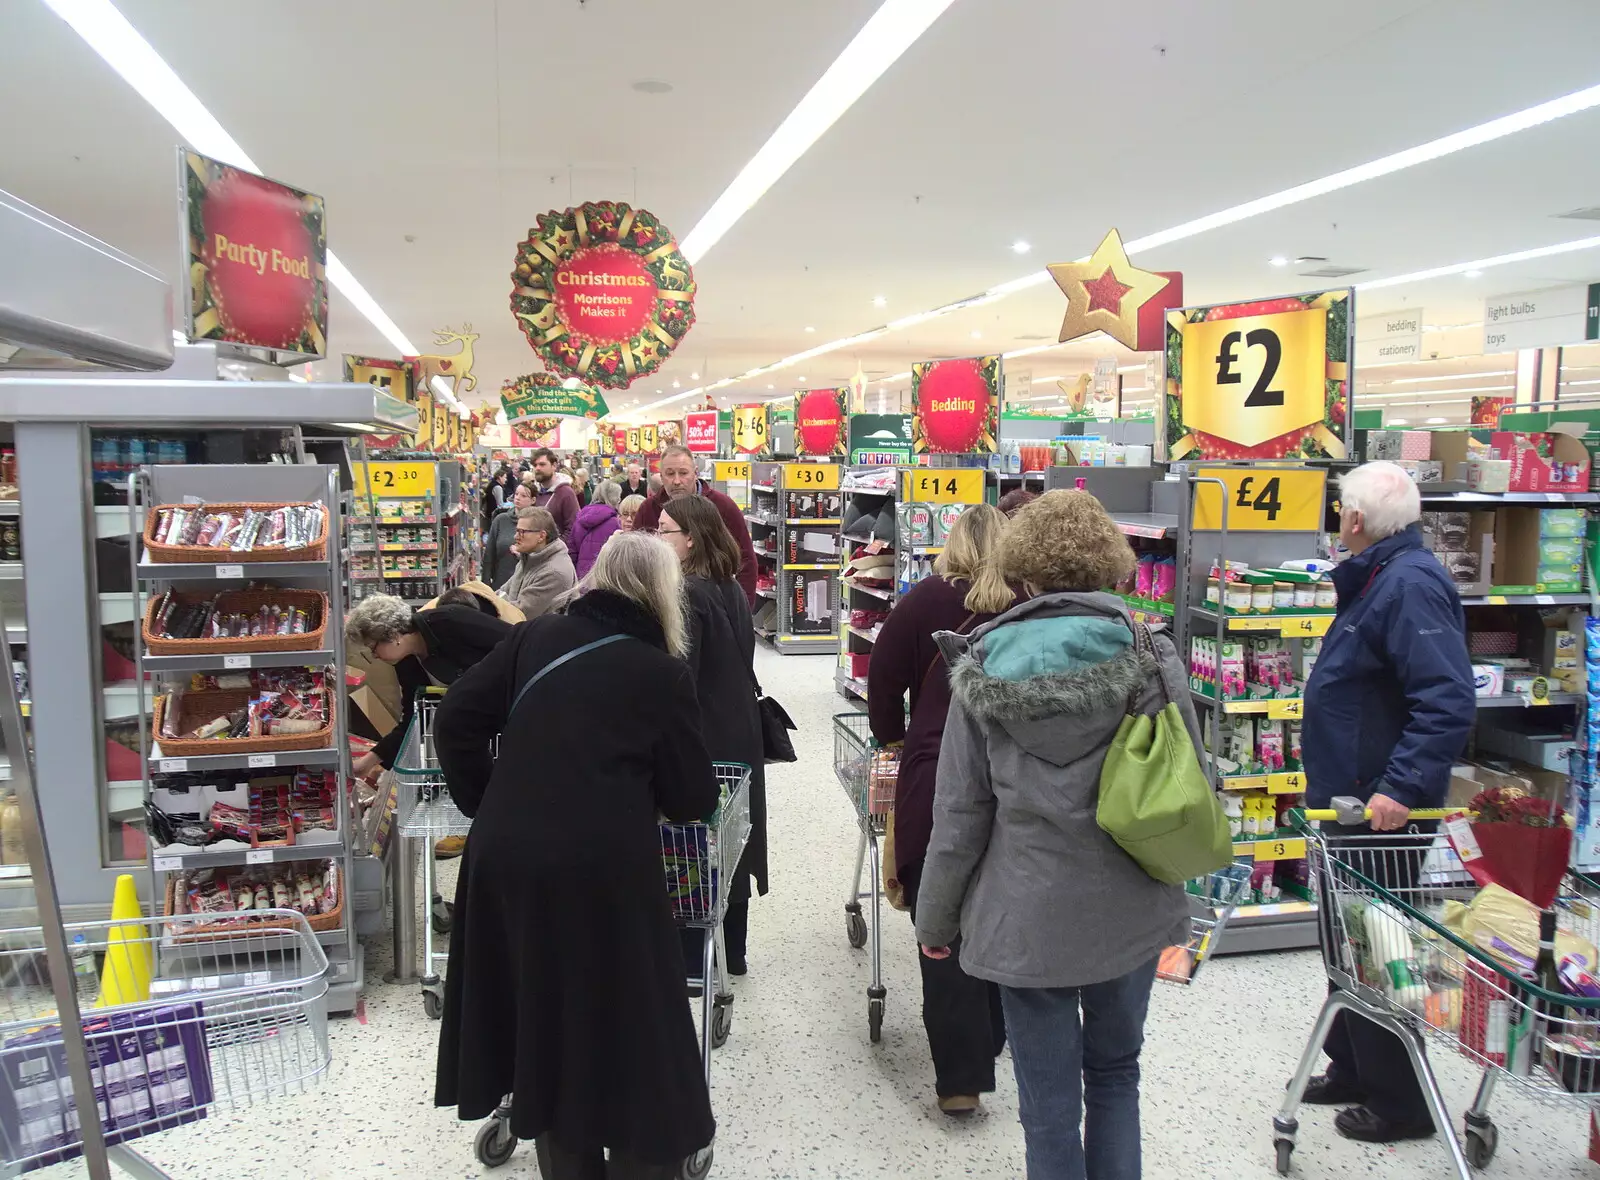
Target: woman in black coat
pixel 722 658
pixel 425 646
pixel 566 986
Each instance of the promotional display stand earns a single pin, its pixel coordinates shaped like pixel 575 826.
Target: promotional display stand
pixel 409 534
pixel 794 519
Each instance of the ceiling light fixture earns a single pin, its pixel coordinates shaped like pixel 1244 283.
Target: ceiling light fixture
pixel 809 328
pixel 1436 421
pixel 677 385
pixel 1278 260
pixel 888 33
pixel 879 301
pixel 1472 274
pixel 106 31
pixel 1481 264
pixel 1545 112
pixel 694 376
pixel 977 335
pixel 1020 247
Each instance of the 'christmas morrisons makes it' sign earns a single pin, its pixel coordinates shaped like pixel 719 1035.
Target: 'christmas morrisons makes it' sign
pixel 542 395
pixel 602 292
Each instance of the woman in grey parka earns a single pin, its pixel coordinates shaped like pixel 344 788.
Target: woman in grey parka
pixel 1047 905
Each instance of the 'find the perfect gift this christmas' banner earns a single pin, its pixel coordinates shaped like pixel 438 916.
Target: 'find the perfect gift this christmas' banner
pixel 602 292
pixel 256 260
pixel 544 395
pixel 955 405
pixel 1268 379
pixel 821 421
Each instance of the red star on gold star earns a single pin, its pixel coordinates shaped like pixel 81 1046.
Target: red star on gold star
pixel 1105 292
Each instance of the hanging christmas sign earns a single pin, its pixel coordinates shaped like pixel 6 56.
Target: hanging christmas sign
pixel 1262 380
pixel 633 440
pixel 700 431
pixel 647 439
pixel 820 421
pixel 1109 294
pixel 602 292
pixel 752 432
pixel 669 434
pixel 544 395
pixel 955 405
pixel 452 367
pixel 257 252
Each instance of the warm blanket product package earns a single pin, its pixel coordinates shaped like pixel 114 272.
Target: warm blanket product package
pixel 150 1067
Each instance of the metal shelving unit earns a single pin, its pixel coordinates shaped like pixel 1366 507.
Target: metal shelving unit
pixel 374 537
pixel 784 549
pixel 262 484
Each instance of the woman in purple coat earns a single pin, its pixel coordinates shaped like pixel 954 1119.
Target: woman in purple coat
pixel 594 527
pixel 961 1014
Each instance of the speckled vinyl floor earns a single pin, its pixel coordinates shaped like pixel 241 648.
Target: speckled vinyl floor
pixel 799 1091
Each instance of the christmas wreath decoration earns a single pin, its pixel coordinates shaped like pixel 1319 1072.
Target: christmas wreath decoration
pixel 602 292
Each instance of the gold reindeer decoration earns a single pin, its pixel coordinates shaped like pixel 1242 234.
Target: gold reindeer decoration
pixel 455 367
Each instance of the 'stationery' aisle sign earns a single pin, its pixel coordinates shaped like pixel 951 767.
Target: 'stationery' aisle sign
pixel 1262 380
pixel 602 292
pixel 256 256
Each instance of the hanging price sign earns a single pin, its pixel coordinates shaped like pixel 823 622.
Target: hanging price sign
pixel 811 476
pixel 1261 499
pixel 393 479
pixel 633 440
pixel 647 439
pixel 727 471
pixel 750 433
pixel 929 485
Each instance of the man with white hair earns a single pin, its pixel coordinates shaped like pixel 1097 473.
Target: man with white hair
pixel 1387 712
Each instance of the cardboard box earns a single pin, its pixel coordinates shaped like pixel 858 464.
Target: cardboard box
pixel 1416 444
pixel 1554 460
pixel 1452 448
pixel 1486 475
pixel 1541 751
pixel 1519 565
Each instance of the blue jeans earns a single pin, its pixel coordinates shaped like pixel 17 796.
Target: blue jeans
pixel 1066 1065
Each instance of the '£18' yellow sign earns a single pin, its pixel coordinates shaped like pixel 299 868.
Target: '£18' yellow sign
pixel 1253 379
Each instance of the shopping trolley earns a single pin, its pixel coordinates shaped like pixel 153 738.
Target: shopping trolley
pixel 1212 903
pixel 231 1011
pixel 425 811
pixel 699 860
pixel 1392 956
pixel 868 773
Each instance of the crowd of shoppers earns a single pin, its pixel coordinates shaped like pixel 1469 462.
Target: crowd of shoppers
pixel 1003 680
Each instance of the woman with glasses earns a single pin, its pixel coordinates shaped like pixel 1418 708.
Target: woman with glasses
pixel 722 661
pixel 544 567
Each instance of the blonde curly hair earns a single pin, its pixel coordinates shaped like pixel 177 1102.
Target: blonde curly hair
pixel 1064 541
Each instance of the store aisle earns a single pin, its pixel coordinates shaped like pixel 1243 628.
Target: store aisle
pixel 799 1091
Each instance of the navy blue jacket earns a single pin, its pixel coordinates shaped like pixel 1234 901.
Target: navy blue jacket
pixel 1390 702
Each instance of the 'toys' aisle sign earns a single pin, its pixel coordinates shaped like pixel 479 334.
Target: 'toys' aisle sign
pixel 1263 380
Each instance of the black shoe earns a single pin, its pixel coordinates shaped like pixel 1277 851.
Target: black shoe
pixel 738 966
pixel 1360 1123
pixel 1329 1089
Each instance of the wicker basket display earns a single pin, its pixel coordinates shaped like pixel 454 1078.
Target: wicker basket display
pixel 196 708
pixel 159 551
pixel 244 924
pixel 313 602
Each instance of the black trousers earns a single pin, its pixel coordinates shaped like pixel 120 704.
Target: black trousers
pixel 962 1016
pixel 557 1163
pixel 1372 1057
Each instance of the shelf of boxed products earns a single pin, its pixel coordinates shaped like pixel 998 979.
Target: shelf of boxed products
pixel 161 764
pixel 213 661
pixel 1432 496
pixel 167 861
pixel 1276 708
pixel 882 592
pixel 249 571
pixel 863 633
pixel 1154 526
pixel 1527 600
pixel 851 685
pixel 1294 626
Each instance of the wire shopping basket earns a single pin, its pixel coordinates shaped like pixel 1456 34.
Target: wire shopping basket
pixel 220 1019
pixel 1393 924
pixel 424 807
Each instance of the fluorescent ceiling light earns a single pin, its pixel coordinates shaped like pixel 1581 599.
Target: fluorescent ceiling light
pixel 1278 260
pixel 889 32
pixel 1557 108
pixel 1020 247
pixel 1418 276
pixel 105 30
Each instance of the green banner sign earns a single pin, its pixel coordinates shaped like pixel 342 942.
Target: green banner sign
pixel 880 438
pixel 540 395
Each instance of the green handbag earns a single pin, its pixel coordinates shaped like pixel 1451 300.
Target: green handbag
pixel 1155 801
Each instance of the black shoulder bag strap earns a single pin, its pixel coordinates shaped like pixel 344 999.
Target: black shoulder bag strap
pixel 556 663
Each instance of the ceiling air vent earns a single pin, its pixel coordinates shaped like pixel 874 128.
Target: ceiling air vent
pixel 1332 271
pixel 1590 213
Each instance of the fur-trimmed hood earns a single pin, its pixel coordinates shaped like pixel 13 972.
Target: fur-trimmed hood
pixel 1053 672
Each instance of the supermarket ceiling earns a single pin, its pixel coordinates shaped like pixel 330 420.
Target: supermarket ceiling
pixel 437 132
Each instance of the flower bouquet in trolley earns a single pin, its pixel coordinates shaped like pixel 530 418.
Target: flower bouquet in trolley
pixel 1514 840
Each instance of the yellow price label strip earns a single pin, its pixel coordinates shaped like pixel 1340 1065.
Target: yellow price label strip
pixel 811 476
pixel 1244 782
pixel 947 485
pixel 1292 782
pixel 1261 499
pixel 733 471
pixel 1291 848
pixel 1291 710
pixel 397 480
pixel 1289 625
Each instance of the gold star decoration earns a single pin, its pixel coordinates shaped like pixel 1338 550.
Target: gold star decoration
pixel 1105 293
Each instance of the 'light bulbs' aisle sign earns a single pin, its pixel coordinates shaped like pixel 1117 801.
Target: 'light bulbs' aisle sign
pixel 1263 380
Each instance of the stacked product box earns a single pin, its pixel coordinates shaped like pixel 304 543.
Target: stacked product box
pixel 150 1067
